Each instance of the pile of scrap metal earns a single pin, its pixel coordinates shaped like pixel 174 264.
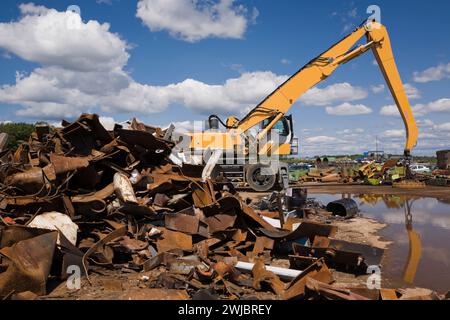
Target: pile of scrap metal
pixel 438 177
pixel 371 173
pixel 327 175
pixel 80 199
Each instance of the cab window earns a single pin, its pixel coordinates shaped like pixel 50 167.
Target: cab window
pixel 281 126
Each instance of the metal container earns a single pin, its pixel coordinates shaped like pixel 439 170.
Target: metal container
pixel 443 159
pixel 344 207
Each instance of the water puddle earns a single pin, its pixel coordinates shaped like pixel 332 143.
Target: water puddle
pixel 420 231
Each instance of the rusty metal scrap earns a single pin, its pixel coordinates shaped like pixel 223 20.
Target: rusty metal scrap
pixel 138 214
pixel 174 240
pixel 261 275
pixel 316 289
pixel 28 265
pixel 318 271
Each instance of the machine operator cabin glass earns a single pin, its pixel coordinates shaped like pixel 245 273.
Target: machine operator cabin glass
pixel 281 126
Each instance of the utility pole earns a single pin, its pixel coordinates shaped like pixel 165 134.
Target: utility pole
pixel 376 145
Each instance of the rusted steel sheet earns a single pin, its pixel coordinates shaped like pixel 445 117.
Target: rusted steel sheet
pixel 29 262
pixel 132 245
pixel 321 242
pixel 34 176
pixel 372 255
pixel 250 213
pixel 173 240
pixel 153 146
pixel 318 271
pixel 9 235
pixel 160 200
pixel 100 246
pixel 261 275
pixel 332 256
pixel 182 222
pixel 327 291
pixel 63 164
pixel 203 194
pixel 85 134
pixel 163 258
pixel 220 222
pixel 306 229
pixel 97 196
pixel 261 244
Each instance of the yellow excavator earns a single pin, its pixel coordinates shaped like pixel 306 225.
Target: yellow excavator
pixel 270 114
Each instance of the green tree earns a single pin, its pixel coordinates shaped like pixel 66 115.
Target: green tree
pixel 17 133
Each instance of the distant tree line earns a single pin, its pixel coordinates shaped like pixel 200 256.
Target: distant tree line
pixel 17 133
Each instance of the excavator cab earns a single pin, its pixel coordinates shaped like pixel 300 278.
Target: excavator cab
pixel 285 129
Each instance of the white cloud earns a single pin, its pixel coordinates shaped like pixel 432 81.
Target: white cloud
pixel 433 74
pixel 442 127
pixel 412 92
pixel 54 92
pixel 347 109
pixel 194 20
pixel 84 69
pixel 390 111
pixel 394 133
pixel 285 61
pixel 335 93
pixel 320 139
pixel 108 2
pixel 185 126
pixel 426 123
pixel 31 8
pixel 427 135
pixel 377 88
pixel 45 36
pixel 236 95
pixel 441 105
pixel 350 131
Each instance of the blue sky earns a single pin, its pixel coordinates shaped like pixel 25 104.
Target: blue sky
pixel 171 61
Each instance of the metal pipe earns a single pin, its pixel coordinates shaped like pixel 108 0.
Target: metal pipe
pixel 287 274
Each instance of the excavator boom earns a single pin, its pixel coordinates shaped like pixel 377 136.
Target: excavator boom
pixel 276 105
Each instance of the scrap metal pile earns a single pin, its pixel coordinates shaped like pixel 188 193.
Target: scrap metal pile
pixel 372 173
pixel 81 198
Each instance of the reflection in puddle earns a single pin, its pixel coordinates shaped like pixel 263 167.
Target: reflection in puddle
pixel 420 231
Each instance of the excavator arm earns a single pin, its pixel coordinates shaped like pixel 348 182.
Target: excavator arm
pixel 277 104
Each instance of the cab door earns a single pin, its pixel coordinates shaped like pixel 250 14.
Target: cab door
pixel 284 128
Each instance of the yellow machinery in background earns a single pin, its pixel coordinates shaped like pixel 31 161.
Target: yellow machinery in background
pixel 271 112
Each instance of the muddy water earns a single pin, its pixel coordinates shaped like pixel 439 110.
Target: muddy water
pixel 428 266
